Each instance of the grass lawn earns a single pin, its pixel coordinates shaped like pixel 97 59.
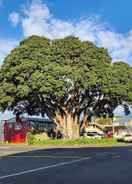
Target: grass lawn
pixel 78 142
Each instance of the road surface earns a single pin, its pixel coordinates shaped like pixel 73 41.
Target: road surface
pixel 68 166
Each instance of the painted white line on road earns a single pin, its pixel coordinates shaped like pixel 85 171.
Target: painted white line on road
pixel 44 168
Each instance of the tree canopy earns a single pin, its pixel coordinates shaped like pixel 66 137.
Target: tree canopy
pixel 62 78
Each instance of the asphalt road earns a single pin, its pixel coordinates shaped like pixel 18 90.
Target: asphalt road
pixel 68 166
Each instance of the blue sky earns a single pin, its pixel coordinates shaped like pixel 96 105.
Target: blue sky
pixel 107 23
pixel 116 12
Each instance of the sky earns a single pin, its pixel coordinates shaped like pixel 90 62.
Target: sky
pixel 107 23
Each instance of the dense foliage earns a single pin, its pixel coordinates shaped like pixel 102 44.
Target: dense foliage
pixel 64 78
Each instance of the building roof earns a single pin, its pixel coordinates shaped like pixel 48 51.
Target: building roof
pixel 121 121
pixel 31 119
pixel 38 120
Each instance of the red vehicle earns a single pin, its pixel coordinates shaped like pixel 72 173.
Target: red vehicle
pixel 109 134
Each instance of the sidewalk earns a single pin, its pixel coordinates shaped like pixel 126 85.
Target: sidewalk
pixel 13 149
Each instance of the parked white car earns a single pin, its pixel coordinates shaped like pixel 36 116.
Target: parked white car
pixel 93 135
pixel 119 137
pixel 127 138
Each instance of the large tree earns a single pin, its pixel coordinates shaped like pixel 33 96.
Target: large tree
pixel 67 79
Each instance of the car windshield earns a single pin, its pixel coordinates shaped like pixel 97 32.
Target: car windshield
pixel 90 134
pixel 128 135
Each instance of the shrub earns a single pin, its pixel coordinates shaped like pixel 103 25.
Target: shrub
pixel 41 137
pixel 30 138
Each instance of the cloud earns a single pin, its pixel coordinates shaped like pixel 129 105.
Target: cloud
pixel 14 18
pixel 5 47
pixel 119 45
pixel 37 19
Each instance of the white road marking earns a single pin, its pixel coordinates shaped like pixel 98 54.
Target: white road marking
pixel 44 168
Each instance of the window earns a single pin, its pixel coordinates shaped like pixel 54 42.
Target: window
pixel 10 125
pixel 17 126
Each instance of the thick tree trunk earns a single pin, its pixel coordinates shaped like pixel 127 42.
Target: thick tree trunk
pixel 61 124
pixel 85 122
pixel 76 128
pixel 68 126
